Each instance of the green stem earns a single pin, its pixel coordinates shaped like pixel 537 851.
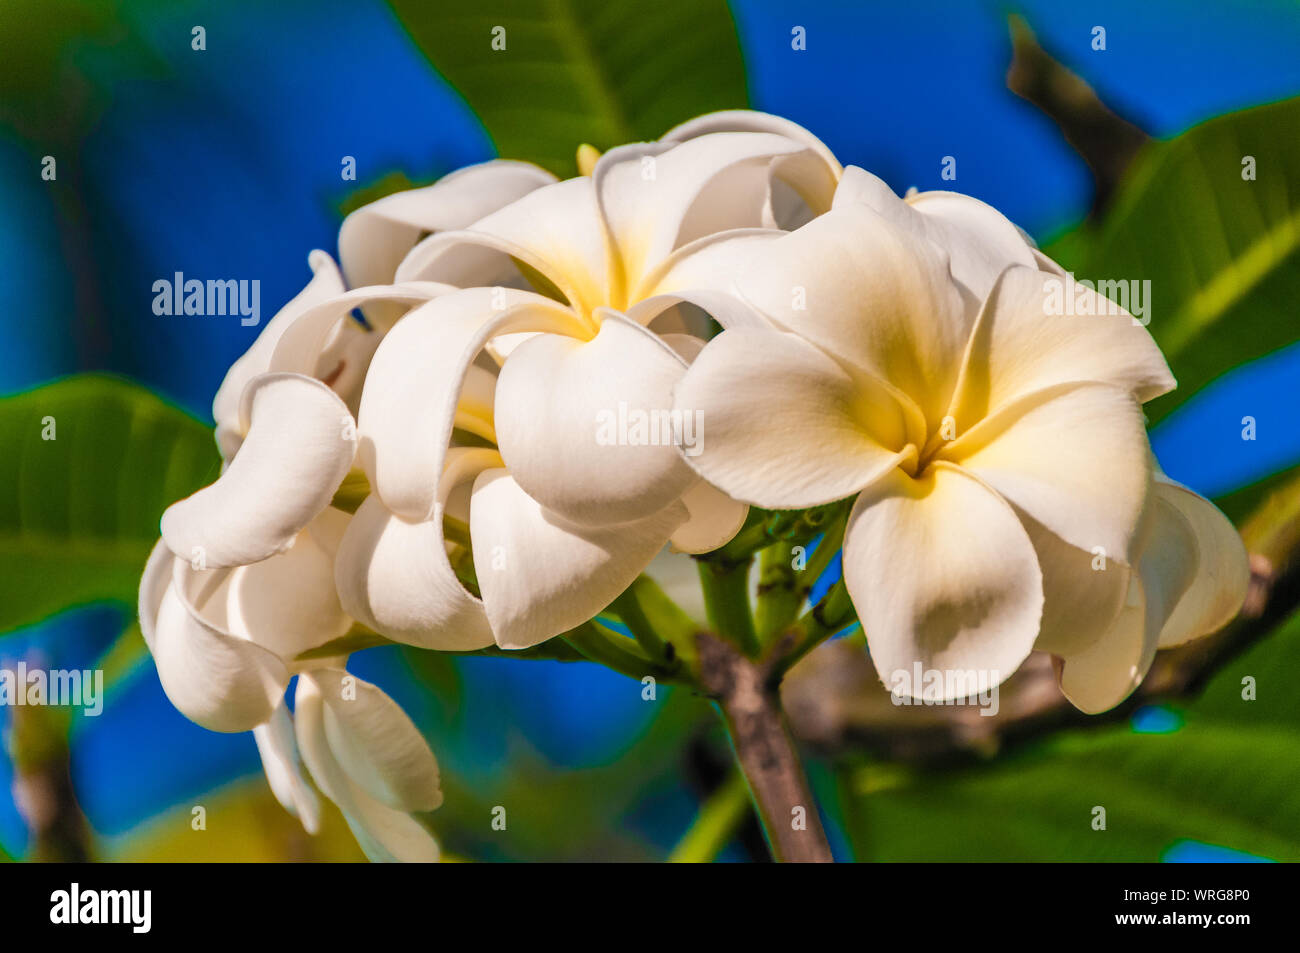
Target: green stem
pixel 629 611
pixel 815 626
pixel 726 600
pixel 779 595
pixel 716 823
pixel 615 651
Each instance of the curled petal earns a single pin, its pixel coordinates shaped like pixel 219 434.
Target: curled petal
pixel 375 743
pixel 326 283
pixel 1083 592
pixel 279 752
pixel 414 386
pixel 819 436
pixel 1103 675
pixel 384 833
pixel 587 428
pixel 942 574
pixel 554 231
pixel 749 120
pixel 300 445
pixel 154 582
pixel 213 677
pixel 541 575
pixel 1216 592
pixel 376 237
pixel 394 576
pixel 656 197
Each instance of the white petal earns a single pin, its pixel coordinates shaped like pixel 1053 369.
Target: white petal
pixel 870 294
pixel 287 603
pixel 657 197
pixel 213 677
pixel 279 752
pixel 942 574
pixel 748 120
pixel 300 445
pixel 376 237
pixel 714 519
pixel 784 426
pixel 1105 674
pixel 1218 589
pixel 325 284
pixel 1020 346
pixel 394 576
pixel 586 427
pixel 555 230
pixel 540 575
pixel 413 389
pixel 384 833
pixel 375 743
pixel 978 239
pixel 1083 592
pixel 300 348
pixel 1074 457
pixel 154 581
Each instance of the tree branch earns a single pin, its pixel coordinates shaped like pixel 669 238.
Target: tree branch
pixel 746 693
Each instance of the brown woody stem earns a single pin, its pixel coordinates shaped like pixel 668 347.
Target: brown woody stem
pixel 746 693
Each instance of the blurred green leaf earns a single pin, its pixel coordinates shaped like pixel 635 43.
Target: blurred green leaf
pixel 1222 252
pixel 1228 776
pixel 80 512
pixel 576 71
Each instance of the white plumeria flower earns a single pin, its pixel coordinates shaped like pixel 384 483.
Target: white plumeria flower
pixel 993 455
pixel 630 259
pixel 226 643
pixel 243 580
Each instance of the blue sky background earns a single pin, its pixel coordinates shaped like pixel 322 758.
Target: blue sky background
pixel 229 167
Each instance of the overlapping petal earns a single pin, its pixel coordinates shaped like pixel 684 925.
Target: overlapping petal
pixel 784 425
pixel 375 238
pixel 394 576
pixel 541 575
pixel 414 386
pixel 300 444
pixel 587 428
pixel 283 767
pixel 1102 676
pixel 326 283
pixel 1075 457
pixel 214 677
pixel 1218 588
pixel 872 295
pixel 1020 346
pixel 386 834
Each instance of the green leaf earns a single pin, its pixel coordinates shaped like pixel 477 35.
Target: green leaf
pixel 1222 253
pixel 581 71
pixel 79 513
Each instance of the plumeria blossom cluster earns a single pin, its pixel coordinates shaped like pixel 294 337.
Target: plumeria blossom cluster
pixel 410 444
